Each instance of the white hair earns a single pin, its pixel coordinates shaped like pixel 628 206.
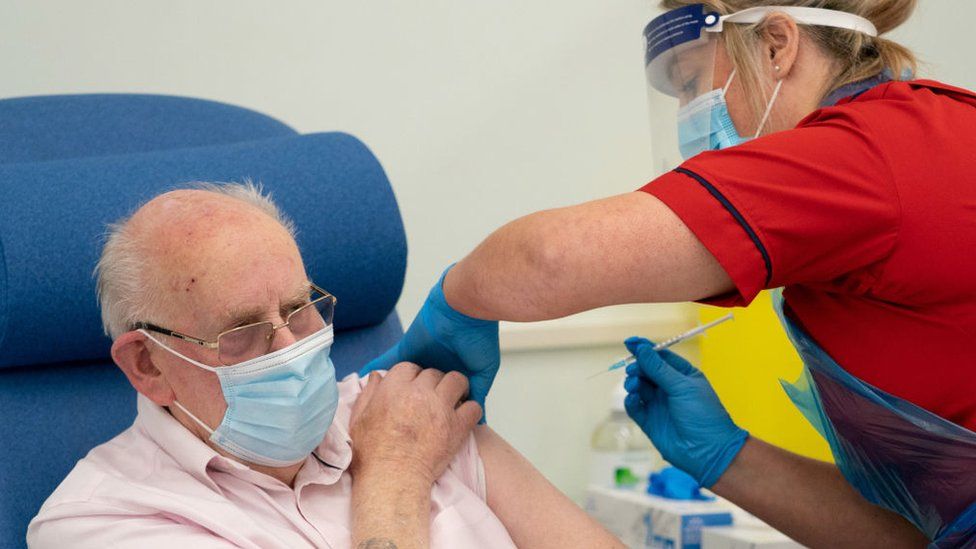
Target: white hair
pixel 126 284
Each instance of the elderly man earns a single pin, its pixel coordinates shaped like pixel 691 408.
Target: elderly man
pixel 244 438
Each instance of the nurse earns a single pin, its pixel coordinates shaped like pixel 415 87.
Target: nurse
pixel 812 161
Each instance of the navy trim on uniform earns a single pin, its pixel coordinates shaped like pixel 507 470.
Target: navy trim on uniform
pixel 860 93
pixel 738 217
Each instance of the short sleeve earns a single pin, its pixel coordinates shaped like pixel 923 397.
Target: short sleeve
pixel 807 205
pixel 469 468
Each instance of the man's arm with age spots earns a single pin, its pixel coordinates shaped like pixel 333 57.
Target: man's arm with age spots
pixel 391 510
pixel 405 430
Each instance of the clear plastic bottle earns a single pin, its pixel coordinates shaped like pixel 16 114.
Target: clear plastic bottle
pixel 621 454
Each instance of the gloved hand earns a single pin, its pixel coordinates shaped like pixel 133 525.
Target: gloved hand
pixel 443 338
pixel 676 407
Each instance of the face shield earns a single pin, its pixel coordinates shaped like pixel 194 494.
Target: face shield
pixel 679 62
pixel 687 105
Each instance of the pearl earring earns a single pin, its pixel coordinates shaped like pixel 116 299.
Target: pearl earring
pixel 776 68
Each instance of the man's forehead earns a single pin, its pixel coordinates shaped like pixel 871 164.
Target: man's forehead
pixel 209 307
pixel 213 254
pixel 182 220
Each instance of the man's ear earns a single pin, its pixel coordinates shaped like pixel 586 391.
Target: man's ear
pixel 781 42
pixel 130 352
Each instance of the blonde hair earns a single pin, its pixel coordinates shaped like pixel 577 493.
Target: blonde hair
pixel 125 282
pixel 857 55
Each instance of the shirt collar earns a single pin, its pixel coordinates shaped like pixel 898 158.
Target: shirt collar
pixel 855 88
pixel 188 451
pixel 335 452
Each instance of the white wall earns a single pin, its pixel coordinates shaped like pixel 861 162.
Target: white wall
pixel 940 33
pixel 480 112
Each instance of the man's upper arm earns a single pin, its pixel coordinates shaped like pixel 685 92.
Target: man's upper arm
pixel 535 513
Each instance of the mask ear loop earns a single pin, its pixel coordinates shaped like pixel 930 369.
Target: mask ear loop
pixel 728 83
pixel 769 109
pixel 191 361
pixel 193 417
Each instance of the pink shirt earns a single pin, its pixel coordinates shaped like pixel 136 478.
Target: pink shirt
pixel 158 485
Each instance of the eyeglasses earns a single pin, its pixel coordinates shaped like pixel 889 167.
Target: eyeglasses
pixel 250 341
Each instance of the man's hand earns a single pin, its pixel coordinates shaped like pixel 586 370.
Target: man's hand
pixel 405 430
pixel 443 338
pixel 411 422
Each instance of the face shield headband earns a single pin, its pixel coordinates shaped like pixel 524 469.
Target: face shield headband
pixel 669 34
pixel 679 58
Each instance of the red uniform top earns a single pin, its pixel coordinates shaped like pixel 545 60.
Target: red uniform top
pixel 866 213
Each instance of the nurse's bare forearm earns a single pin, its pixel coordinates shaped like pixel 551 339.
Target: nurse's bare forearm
pixel 624 249
pixel 390 515
pixel 810 501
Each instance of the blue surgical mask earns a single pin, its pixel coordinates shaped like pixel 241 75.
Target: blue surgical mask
pixel 279 406
pixel 705 124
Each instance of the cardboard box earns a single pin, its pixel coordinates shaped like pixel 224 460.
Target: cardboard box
pixel 746 537
pixel 644 521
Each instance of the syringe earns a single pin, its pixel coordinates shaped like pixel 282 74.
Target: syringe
pixel 629 359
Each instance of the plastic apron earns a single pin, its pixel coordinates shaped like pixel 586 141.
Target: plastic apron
pixel 896 454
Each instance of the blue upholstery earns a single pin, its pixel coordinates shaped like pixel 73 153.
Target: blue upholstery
pixel 350 231
pixel 56 127
pixel 59 393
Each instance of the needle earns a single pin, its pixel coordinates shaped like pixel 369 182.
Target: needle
pixel 629 359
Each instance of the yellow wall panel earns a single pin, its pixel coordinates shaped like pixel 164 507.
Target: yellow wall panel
pixel 745 359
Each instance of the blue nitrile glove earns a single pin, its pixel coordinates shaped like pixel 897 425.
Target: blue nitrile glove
pixel 443 338
pixel 673 483
pixel 676 407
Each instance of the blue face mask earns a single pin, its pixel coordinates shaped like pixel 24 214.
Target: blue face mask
pixel 279 406
pixel 705 124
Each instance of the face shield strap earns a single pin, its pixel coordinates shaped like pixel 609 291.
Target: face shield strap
pixel 769 108
pixel 728 83
pixel 802 15
pixel 805 16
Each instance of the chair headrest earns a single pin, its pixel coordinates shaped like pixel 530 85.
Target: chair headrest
pixel 58 127
pixel 55 213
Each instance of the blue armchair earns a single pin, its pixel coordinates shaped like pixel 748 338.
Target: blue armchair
pixel 69 165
